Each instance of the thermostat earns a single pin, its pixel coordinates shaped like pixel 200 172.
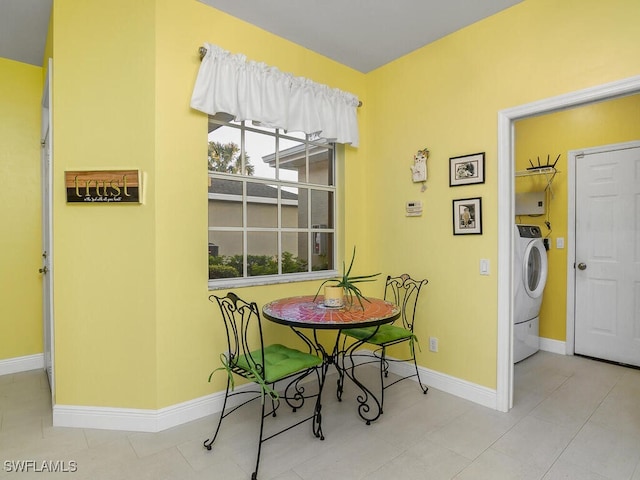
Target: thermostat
pixel 414 208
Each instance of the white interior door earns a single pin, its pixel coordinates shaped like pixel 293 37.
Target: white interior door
pixel 45 270
pixel 607 255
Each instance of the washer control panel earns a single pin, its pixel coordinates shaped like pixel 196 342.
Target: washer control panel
pixel 529 231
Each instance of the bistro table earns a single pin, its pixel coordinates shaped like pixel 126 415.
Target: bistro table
pixel 309 312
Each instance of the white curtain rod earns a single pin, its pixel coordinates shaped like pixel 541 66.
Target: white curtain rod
pixel 203 51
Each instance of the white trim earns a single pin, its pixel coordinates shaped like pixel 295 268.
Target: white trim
pixel 455 386
pixel 136 420
pixel 223 283
pixel 142 420
pixel 571 250
pixel 553 346
pixel 506 118
pixel 48 319
pixel 22 364
pixel 506 209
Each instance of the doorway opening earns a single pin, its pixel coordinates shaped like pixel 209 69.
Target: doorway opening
pixel 506 213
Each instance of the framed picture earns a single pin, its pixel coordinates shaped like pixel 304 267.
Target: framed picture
pixel 467 216
pixel 466 170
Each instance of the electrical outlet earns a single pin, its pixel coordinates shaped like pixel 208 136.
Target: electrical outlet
pixel 433 344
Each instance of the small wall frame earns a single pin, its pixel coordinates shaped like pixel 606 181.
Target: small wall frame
pixel 467 216
pixel 466 169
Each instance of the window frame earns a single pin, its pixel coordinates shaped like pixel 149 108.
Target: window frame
pixel 332 187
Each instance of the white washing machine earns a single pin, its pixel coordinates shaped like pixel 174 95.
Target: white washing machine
pixel 530 278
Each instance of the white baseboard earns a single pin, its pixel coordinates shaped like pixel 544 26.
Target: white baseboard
pixel 143 420
pixel 136 420
pixel 147 420
pixel 553 346
pixel 484 396
pixel 22 364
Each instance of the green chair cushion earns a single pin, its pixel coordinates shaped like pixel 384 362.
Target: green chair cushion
pixel 385 334
pixel 280 361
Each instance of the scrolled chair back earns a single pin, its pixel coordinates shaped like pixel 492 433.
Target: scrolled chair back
pixel 404 291
pixel 241 319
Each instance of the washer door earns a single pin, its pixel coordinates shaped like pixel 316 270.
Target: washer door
pixel 534 271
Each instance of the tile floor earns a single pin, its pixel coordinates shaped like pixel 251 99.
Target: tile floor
pixel 573 418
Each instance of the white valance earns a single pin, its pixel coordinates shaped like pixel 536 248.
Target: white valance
pixel 249 90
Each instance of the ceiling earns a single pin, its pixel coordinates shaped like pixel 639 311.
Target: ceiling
pixel 23 29
pixel 362 34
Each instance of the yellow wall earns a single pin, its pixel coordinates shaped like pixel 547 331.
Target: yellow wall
pixel 104 255
pixel 603 123
pixel 446 96
pixel 190 334
pixel 133 325
pixel 20 241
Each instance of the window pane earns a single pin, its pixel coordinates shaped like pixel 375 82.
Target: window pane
pixel 225 254
pixel 294 207
pixel 293 160
pixel 224 150
pixel 262 205
pixel 225 203
pixel 322 208
pixel 260 150
pixel 322 256
pixel 261 229
pixel 294 252
pixel 262 248
pixel 320 171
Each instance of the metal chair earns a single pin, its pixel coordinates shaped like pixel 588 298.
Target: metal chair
pixel 248 357
pixel 403 291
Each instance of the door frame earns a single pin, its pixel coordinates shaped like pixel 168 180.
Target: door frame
pixel 47 230
pixel 572 159
pixel 506 212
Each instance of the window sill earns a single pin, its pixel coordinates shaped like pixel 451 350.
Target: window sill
pixel 270 279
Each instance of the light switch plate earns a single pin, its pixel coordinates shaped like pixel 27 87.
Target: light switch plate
pixel 484 266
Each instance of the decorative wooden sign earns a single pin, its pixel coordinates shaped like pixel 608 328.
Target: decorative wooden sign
pixel 103 186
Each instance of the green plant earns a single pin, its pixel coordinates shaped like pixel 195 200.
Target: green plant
pixel 222 271
pixel 222 266
pixel 348 282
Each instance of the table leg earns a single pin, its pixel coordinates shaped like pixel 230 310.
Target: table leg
pixel 317 414
pixel 369 407
pixel 326 361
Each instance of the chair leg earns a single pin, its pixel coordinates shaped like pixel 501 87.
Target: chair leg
pixel 384 372
pixel 424 388
pixel 274 404
pixel 385 365
pixel 209 442
pixel 254 475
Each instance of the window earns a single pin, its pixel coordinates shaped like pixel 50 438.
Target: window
pixel 271 200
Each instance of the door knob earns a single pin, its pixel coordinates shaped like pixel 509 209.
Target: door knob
pixel 582 266
pixel 43 269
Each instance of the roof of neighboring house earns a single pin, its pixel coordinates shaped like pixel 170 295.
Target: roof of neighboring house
pixel 254 189
pixel 293 158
